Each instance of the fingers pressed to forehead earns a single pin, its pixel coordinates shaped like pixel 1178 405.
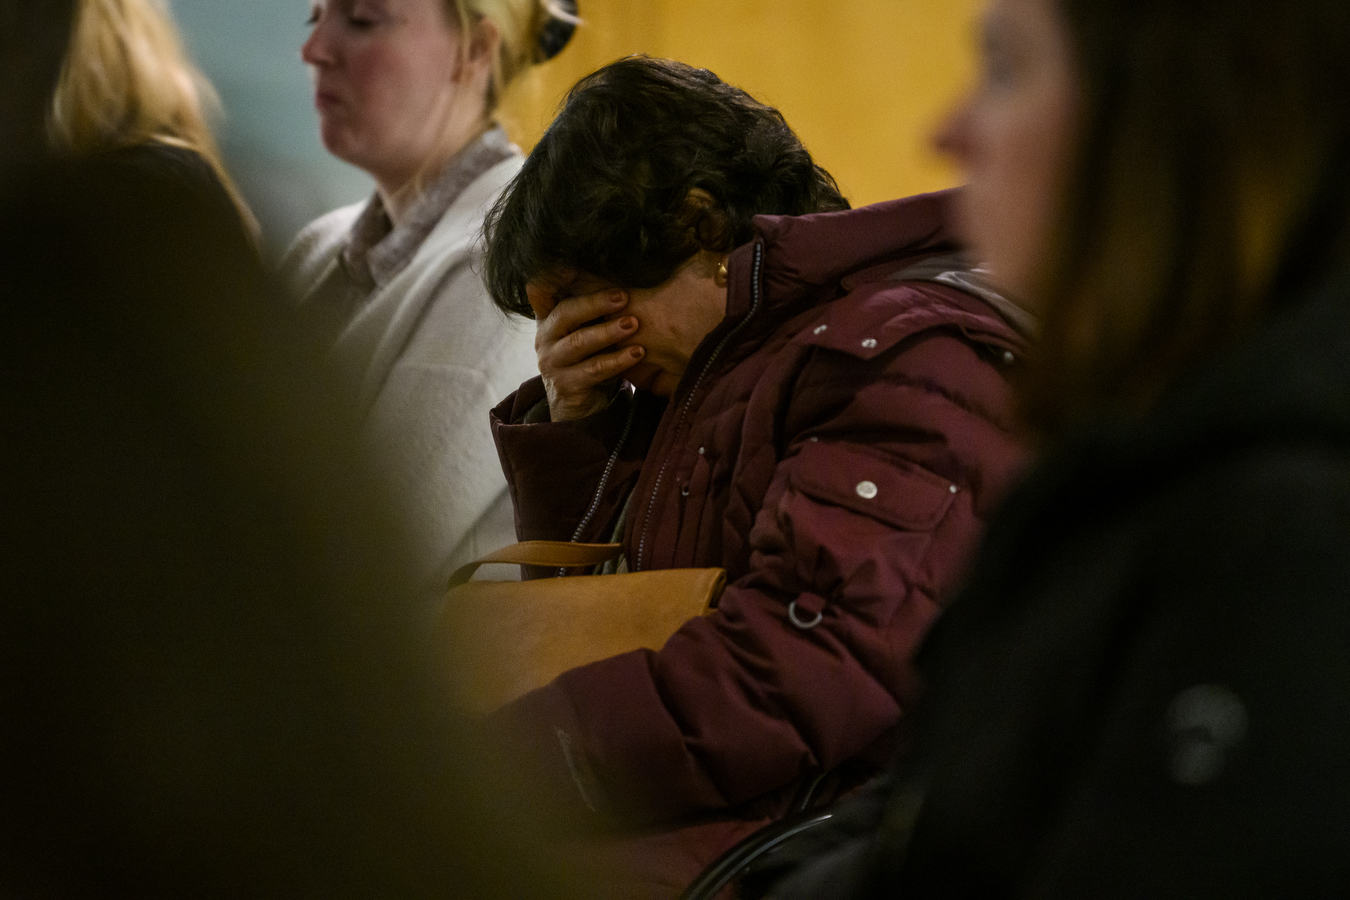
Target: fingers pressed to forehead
pixel 598 369
pixel 542 298
pixel 575 346
pixel 542 291
pixel 570 314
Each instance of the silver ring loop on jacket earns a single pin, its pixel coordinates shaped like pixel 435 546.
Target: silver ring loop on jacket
pixel 804 626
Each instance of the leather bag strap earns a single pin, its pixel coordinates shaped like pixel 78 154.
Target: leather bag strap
pixel 553 554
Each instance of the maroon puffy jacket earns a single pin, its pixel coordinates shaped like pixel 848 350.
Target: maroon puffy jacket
pixel 835 444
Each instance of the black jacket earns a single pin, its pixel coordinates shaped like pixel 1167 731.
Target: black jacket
pixel 1144 690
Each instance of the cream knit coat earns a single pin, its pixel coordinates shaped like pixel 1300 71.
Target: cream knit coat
pixel 431 356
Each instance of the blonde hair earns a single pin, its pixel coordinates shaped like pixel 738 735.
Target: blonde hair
pixel 520 24
pixel 127 81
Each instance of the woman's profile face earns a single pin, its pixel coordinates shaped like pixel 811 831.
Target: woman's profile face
pixel 386 81
pixel 671 319
pixel 1013 137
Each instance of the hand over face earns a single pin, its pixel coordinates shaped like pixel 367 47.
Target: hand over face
pixel 575 338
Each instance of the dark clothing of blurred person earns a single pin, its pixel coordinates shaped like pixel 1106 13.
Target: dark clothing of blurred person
pixel 850 432
pixel 206 683
pixel 179 169
pixel 205 690
pixel 1143 690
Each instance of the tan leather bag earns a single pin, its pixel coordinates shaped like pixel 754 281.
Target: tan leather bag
pixel 509 637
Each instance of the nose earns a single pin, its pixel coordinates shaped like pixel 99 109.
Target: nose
pixel 317 50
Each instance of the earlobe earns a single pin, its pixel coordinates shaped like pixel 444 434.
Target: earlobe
pixel 477 54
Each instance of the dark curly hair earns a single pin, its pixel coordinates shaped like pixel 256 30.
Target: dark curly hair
pixel 607 191
pixel 1211 185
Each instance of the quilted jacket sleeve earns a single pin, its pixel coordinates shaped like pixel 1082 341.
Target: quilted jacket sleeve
pixel 889 466
pixel 569 475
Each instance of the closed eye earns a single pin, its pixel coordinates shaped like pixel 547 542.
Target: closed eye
pixel 363 15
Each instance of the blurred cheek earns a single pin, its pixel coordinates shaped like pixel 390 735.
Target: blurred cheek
pixel 1007 222
pixel 375 92
pixel 1008 213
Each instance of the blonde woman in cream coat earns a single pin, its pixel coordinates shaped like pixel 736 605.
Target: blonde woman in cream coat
pixel 405 90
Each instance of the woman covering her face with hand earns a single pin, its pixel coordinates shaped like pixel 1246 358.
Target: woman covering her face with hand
pixel 1142 691
pixel 806 402
pixel 405 90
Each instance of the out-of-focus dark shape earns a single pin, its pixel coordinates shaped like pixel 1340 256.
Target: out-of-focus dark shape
pixel 209 684
pixel 559 27
pixel 1142 691
pixel 33 38
pixel 1210 189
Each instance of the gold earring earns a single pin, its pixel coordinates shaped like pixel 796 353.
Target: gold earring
pixel 722 273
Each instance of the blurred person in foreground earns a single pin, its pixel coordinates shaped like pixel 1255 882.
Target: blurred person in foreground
pixel 1142 691
pixel 406 91
pixel 33 40
pixel 205 688
pixel 816 403
pixel 128 90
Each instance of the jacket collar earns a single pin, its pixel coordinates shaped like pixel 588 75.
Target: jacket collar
pixel 801 256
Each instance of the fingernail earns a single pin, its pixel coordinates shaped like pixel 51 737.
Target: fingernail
pixel 635 352
pixel 617 298
pixel 628 323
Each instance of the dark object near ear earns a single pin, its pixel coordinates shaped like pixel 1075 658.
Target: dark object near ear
pixel 555 34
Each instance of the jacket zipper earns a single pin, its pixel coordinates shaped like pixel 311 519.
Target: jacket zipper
pixel 707 367
pixel 604 479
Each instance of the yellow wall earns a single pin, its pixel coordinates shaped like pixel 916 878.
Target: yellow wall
pixel 864 82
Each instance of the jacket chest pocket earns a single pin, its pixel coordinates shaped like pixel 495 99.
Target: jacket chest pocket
pixel 852 512
pixel 695 508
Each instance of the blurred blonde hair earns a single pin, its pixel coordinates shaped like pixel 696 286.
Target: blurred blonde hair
pixel 520 24
pixel 127 81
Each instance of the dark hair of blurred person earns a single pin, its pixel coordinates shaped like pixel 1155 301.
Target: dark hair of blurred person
pixel 606 190
pixel 128 86
pixel 208 685
pixel 1209 186
pixel 1142 690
